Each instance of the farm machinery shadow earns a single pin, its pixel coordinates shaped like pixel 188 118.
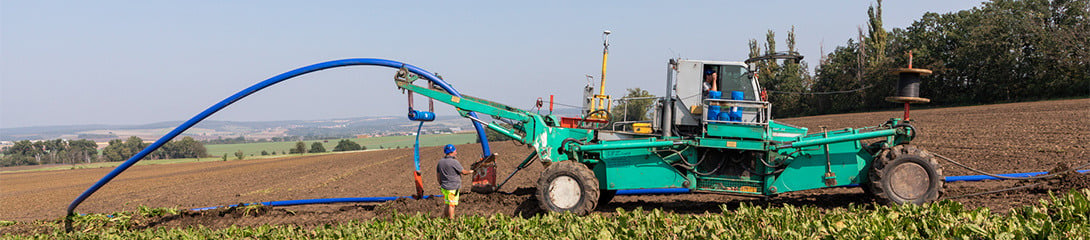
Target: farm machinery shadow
pixel 692 206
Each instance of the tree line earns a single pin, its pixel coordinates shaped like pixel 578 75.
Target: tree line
pixel 57 151
pixel 61 151
pixel 318 147
pixel 1001 51
pixel 243 139
pixel 186 147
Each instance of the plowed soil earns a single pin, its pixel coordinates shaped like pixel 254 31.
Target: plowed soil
pixel 1003 138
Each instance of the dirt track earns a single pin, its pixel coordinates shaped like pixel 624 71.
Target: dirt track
pixel 1018 137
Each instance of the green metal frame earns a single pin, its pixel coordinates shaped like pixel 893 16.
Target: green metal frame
pixel 792 159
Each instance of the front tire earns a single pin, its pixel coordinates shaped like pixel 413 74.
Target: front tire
pixel 567 186
pixel 906 174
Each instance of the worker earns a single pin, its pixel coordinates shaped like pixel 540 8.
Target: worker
pixel 449 172
pixel 710 80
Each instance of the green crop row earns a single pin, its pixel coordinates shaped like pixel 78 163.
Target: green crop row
pixel 1066 216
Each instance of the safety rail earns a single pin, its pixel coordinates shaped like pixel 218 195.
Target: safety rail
pixel 762 118
pixel 624 114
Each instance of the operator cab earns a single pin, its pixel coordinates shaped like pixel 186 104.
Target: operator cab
pixel 692 105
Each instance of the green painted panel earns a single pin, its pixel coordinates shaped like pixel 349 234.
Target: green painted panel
pixel 783 133
pixel 806 169
pixel 731 143
pixel 548 141
pixel 736 130
pixel 635 169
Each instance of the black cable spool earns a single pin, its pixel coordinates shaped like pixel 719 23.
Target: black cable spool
pixel 908 85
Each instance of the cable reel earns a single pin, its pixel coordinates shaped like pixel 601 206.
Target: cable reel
pixel 908 86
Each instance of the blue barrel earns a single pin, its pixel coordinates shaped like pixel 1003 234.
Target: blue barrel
pixel 735 113
pixel 735 116
pixel 715 94
pixel 713 111
pixel 423 116
pixel 737 95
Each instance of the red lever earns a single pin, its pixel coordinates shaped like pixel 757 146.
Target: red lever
pixel 419 185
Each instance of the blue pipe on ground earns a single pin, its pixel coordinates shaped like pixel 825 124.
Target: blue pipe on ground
pixel 320 201
pixel 948 179
pixel 986 177
pixel 619 192
pixel 261 85
pixel 652 191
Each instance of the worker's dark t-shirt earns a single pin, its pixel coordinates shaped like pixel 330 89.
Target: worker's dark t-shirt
pixel 449 172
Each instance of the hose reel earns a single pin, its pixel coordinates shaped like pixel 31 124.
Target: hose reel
pixel 908 85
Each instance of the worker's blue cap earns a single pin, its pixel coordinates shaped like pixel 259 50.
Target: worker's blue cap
pixel 709 71
pixel 448 149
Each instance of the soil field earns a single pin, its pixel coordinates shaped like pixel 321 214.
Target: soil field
pixel 1003 138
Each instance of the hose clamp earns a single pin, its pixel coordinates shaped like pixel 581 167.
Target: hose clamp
pixel 403 75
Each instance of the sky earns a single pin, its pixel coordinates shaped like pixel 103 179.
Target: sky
pixel 137 62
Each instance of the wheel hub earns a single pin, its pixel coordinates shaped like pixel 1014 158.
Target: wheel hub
pixel 909 181
pixel 564 192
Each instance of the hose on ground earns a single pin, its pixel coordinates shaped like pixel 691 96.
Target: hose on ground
pixel 1049 175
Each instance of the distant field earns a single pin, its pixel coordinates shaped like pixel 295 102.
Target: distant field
pixel 110 164
pixel 217 150
pixel 370 143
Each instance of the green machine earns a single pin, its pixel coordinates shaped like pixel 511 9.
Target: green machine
pixel 742 152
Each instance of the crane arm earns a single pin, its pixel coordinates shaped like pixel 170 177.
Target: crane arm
pixel 466 104
pixel 529 128
pixel 470 104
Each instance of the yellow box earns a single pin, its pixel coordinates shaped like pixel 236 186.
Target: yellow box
pixel 696 110
pixel 641 127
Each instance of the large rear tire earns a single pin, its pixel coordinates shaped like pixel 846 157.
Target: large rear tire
pixel 906 174
pixel 567 186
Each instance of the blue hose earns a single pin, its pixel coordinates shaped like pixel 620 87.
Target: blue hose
pixel 966 178
pixel 971 178
pixel 319 201
pixel 649 191
pixel 261 85
pixel 416 147
pixel 652 191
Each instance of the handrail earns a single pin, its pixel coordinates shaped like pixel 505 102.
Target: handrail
pixel 763 119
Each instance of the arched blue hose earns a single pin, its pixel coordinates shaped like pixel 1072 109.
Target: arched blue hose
pixel 261 85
